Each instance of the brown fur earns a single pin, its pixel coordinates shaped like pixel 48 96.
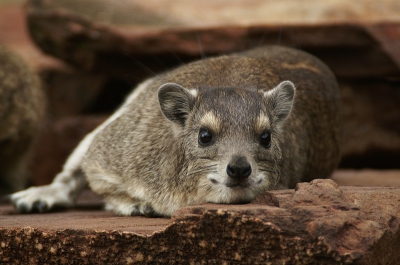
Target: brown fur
pixel 219 130
pixel 21 112
pixel 150 158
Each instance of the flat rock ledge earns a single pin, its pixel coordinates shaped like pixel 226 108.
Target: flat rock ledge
pixel 317 223
pixel 115 38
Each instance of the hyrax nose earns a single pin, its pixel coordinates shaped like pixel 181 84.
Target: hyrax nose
pixel 238 168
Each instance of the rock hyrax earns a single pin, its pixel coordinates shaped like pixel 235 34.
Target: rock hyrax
pixel 21 113
pixel 219 130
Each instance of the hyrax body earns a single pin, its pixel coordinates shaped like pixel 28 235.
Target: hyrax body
pixel 219 130
pixel 21 113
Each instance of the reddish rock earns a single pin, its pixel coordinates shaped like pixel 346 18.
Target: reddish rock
pixel 318 223
pixel 56 142
pixel 388 35
pixel 92 37
pixel 69 92
pixel 367 178
pixel 15 36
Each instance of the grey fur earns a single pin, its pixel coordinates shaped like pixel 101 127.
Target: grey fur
pixel 149 160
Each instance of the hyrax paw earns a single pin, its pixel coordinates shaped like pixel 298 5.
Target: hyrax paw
pixel 42 199
pixel 146 210
pixel 132 208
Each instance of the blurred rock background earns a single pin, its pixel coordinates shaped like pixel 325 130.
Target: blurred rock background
pixel 89 54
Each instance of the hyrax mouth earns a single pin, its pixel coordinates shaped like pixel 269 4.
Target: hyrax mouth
pixel 235 185
pixel 232 184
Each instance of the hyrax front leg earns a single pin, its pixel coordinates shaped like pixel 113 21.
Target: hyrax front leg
pixel 59 194
pixel 64 189
pixel 128 206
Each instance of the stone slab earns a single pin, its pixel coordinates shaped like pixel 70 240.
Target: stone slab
pixel 317 223
pixel 15 36
pixel 367 177
pixel 118 37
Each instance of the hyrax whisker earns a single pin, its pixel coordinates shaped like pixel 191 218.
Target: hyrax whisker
pixel 217 130
pixel 202 169
pixel 268 170
pixel 142 65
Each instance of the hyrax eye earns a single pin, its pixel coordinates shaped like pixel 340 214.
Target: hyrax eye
pixel 265 139
pixel 205 137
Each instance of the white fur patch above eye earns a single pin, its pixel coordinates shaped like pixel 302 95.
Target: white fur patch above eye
pixel 211 121
pixel 262 123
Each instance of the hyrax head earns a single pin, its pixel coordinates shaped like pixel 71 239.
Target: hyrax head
pixel 231 137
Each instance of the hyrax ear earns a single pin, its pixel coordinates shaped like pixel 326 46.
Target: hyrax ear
pixel 176 102
pixel 280 100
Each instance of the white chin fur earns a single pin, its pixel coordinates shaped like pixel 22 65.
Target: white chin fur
pixel 220 193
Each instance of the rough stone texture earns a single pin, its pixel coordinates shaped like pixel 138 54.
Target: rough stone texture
pixel 15 36
pixel 105 36
pixel 317 223
pixel 113 47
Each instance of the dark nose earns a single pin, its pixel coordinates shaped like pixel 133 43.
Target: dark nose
pixel 238 168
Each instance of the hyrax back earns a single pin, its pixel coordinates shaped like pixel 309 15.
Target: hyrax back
pixel 219 130
pixel 21 112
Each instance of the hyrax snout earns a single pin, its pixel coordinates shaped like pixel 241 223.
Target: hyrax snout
pixel 21 113
pixel 238 169
pixel 219 130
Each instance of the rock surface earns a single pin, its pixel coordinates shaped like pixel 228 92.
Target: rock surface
pixel 367 178
pixel 317 223
pixel 115 44
pixel 105 36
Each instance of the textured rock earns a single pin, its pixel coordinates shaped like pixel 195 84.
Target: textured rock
pixel 318 223
pixel 69 92
pixel 14 35
pixel 105 36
